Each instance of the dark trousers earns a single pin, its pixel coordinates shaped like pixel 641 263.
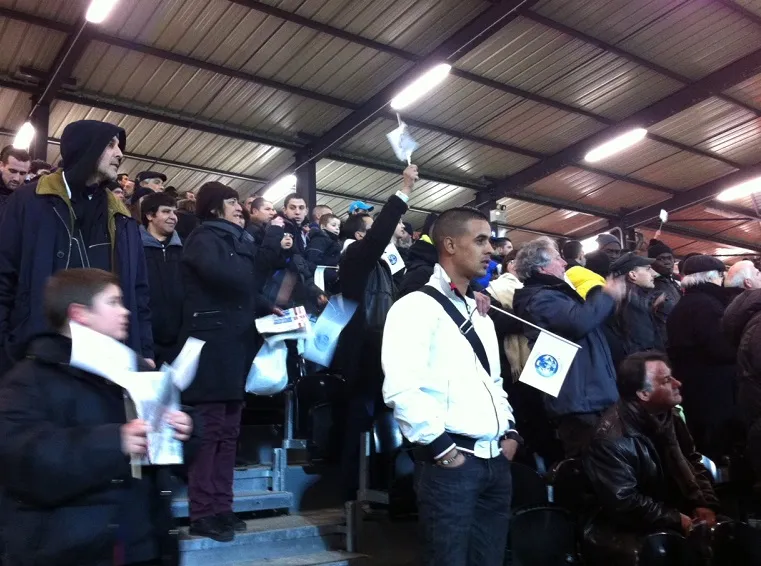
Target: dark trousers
pixel 576 431
pixel 210 476
pixel 464 512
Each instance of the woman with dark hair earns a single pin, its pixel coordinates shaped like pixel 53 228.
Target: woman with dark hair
pixel 221 270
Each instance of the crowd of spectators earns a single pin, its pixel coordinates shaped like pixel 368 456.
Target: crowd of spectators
pixel 667 369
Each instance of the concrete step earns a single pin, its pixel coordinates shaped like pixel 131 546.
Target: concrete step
pixel 269 538
pixel 246 479
pixel 329 558
pixel 244 502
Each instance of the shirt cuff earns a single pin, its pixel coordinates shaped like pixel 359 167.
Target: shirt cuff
pixel 404 197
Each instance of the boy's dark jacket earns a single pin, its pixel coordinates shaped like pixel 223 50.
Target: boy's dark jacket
pixel 70 497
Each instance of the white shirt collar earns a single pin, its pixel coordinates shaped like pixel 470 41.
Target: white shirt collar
pixel 441 280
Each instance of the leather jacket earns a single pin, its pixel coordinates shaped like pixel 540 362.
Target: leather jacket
pixel 645 471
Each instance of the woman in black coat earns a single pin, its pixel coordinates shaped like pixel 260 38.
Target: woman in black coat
pixel 222 276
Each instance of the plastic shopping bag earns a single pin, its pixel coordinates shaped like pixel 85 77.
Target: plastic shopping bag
pixel 268 374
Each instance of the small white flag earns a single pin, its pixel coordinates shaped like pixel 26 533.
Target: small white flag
pixel 548 363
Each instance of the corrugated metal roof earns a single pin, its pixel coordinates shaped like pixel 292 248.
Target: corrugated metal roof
pixel 567 222
pixel 693 38
pixel 361 182
pixel 748 232
pixel 180 144
pixel 164 84
pixel 439 152
pixel 14 108
pixel 748 91
pixel 520 213
pixel 697 218
pixel 683 170
pixel 636 157
pixel 66 11
pixel 740 143
pixel 676 243
pixel 541 60
pixel 703 121
pixel 26 45
pixel 589 188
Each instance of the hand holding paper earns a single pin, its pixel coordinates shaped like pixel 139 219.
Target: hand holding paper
pixel 181 423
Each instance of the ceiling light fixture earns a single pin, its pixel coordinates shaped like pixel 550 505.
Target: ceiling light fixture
pixel 24 136
pixel 742 190
pixel 616 145
pixel 280 188
pixel 99 10
pixel 590 245
pixel 421 86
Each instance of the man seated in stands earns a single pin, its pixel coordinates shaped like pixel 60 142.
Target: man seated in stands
pixel 643 465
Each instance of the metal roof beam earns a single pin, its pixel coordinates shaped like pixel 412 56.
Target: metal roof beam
pixel 714 238
pixel 692 197
pixel 609 47
pixel 264 81
pixel 64 63
pixel 716 82
pixel 467 38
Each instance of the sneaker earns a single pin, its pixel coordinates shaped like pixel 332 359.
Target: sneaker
pixel 213 528
pixel 230 519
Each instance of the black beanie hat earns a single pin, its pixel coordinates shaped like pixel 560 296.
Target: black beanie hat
pixel 210 197
pixel 657 248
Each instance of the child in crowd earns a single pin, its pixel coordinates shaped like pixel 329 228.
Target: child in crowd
pixel 65 446
pixel 325 248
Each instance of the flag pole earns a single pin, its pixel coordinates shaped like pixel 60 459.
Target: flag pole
pixel 539 328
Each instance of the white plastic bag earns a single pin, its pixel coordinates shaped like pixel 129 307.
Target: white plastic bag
pixel 268 374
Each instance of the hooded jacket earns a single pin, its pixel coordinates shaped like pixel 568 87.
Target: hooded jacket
pixel 420 262
pixel 549 302
pixel 165 279
pixel 633 327
pixel 583 279
pixel 38 237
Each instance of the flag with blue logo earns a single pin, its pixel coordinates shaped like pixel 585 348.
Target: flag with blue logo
pixel 548 363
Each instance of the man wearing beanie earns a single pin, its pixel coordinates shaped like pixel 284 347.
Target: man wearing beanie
pixel 665 284
pixel 69 219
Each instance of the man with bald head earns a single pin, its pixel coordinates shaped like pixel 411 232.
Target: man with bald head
pixel 743 275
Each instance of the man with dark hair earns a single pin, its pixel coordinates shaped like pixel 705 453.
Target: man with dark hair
pixel 436 348
pixel 549 302
pixel 163 253
pixel 421 260
pixel 261 212
pixel 14 167
pixel 643 465
pixel 127 186
pixel 573 254
pixel 366 278
pixel 295 213
pixel 70 219
pixel 38 168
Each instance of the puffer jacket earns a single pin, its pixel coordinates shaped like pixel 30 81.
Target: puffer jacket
pixel 552 304
pixel 742 327
pixel 627 465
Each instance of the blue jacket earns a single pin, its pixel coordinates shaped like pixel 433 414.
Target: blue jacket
pixel 549 302
pixel 36 242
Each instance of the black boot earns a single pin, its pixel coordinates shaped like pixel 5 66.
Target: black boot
pixel 213 528
pixel 231 520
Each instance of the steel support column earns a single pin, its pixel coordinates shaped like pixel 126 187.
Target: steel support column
pixel 41 122
pixel 306 184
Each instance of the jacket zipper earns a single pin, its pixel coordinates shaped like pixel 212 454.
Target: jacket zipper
pixel 68 258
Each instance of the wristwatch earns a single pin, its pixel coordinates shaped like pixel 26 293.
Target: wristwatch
pixel 448 461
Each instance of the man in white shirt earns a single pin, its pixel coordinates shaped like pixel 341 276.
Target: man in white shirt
pixel 442 378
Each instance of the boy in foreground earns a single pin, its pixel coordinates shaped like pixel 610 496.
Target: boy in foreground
pixel 65 446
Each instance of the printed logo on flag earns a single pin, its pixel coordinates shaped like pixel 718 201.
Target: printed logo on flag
pixel 392 259
pixel 546 365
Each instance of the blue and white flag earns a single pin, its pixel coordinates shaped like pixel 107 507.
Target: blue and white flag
pixel 548 363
